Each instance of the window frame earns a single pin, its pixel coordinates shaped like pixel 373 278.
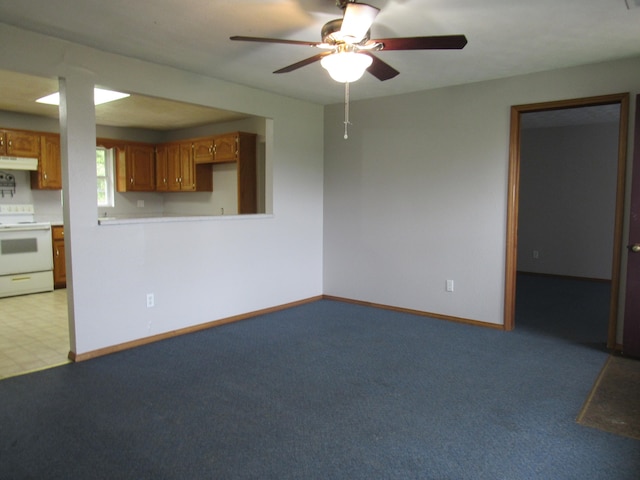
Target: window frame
pixel 108 178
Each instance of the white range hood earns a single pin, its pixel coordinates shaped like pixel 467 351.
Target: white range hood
pixel 18 163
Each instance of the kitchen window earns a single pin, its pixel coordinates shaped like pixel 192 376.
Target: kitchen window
pixel 104 168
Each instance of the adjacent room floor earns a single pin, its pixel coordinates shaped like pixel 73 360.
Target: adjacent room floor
pixel 34 332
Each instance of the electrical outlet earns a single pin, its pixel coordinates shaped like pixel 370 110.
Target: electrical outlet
pixel 141 203
pixel 449 285
pixel 151 301
pixel 536 254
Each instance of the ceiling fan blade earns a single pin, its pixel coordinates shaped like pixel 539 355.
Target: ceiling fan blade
pixel 357 20
pixel 303 63
pixel 379 69
pixel 274 40
pixel 442 42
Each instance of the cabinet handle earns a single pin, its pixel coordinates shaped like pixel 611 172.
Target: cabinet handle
pixel 131 181
pixel 57 253
pixel 9 146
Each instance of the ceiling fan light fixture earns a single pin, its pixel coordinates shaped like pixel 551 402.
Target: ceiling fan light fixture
pixel 357 20
pixel 346 67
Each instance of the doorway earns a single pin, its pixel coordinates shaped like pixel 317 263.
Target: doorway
pixel 517 114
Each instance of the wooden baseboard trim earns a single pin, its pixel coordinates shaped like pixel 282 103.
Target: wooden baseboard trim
pixel 421 313
pixel 183 331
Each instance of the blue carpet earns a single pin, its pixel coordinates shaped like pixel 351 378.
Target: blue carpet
pixel 326 390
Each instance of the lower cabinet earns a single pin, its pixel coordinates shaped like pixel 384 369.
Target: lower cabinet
pixel 59 265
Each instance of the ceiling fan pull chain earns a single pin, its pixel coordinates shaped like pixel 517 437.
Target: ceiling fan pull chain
pixel 346 109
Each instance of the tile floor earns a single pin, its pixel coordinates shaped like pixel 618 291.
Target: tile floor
pixel 34 332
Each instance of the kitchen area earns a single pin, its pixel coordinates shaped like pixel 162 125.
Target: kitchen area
pixel 34 327
pixel 33 306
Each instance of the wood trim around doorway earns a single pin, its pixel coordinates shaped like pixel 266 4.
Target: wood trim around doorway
pixel 513 191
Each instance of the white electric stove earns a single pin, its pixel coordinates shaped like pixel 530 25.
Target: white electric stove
pixel 26 254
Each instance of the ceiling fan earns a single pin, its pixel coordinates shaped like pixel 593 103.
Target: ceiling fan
pixel 348 46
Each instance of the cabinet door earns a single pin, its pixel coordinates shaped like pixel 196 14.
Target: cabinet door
pixel 187 169
pixel 59 265
pixel 21 144
pixel 203 150
pixel 225 148
pixel 140 161
pixel 161 169
pixel 173 167
pixel 49 174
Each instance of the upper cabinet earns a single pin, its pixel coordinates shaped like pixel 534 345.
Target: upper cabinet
pixel 18 143
pixel 203 150
pixel 177 171
pixel 227 148
pixel 135 168
pixel 162 171
pixel 181 166
pixel 224 148
pixel 43 146
pixel 49 173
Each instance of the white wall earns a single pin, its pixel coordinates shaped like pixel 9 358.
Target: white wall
pixel 199 271
pixel 418 193
pixel 567 202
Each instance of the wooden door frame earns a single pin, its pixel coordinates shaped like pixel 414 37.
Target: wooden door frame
pixel 513 192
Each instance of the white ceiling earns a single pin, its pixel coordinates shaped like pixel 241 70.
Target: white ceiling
pixel 505 37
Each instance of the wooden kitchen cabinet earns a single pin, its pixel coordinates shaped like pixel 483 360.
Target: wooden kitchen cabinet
pixel 59 265
pixel 226 148
pixel 49 173
pixel 180 168
pixel 203 150
pixel 162 172
pixel 135 168
pixel 240 147
pixel 177 171
pixel 19 143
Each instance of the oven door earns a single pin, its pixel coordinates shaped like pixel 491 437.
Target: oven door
pixel 25 248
